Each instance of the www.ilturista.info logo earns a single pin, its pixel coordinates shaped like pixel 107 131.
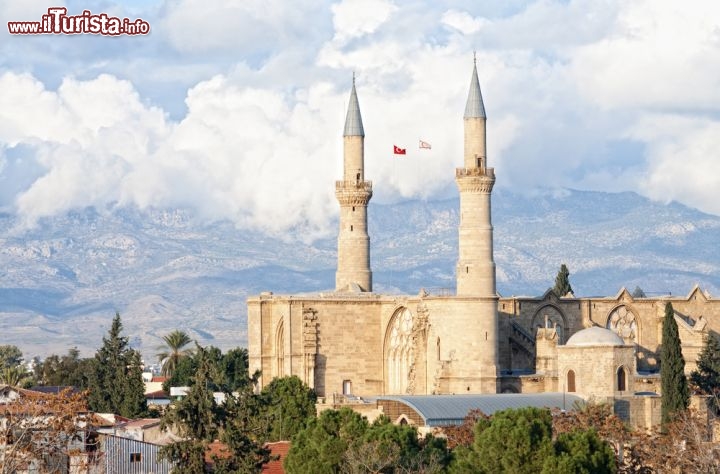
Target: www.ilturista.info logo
pixel 58 22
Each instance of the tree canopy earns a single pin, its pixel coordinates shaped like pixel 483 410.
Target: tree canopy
pixel 521 441
pixel 200 420
pixel 173 350
pixel 707 376
pixel 562 282
pixel 343 441
pixel 115 380
pixel 10 356
pixel 68 370
pixel 230 370
pixel 673 384
pixel 288 404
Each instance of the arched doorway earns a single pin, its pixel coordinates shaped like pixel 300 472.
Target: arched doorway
pixel 570 385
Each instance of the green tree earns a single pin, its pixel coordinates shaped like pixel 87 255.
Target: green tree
pixel 516 441
pixel 183 373
pixel 235 366
pixel 707 376
pixel 231 370
pixel 399 447
pixel 289 404
pixel 673 384
pixel 68 370
pixel 10 356
pixel 16 376
pixel 320 447
pixel 115 380
pixel 173 350
pixel 580 452
pixel 194 418
pixel 199 420
pixel 562 282
pixel 344 441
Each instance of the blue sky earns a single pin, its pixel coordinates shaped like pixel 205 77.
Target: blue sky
pixel 235 108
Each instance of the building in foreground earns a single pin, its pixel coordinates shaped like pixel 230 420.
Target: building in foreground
pixel 351 342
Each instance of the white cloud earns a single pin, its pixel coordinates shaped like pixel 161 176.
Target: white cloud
pixel 566 85
pixel 463 21
pixel 354 18
pixel 682 160
pixel 658 55
pixel 248 28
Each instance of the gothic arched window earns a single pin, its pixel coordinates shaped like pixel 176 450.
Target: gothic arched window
pixel 398 351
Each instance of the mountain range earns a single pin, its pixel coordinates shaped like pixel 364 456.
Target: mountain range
pixel 62 281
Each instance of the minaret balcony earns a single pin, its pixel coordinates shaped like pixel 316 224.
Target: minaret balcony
pixel 353 193
pixel 350 186
pixel 485 172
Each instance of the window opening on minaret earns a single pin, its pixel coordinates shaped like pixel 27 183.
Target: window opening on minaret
pixel 467 269
pixel 353 208
pixel 351 228
pixel 357 178
pixel 438 348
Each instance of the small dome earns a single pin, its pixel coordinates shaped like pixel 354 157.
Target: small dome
pixel 595 336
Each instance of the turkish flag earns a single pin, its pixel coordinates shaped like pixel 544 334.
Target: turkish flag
pixel 398 151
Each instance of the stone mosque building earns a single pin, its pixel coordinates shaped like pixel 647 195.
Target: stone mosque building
pixel 351 342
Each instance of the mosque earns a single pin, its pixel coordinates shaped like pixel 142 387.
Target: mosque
pixel 350 343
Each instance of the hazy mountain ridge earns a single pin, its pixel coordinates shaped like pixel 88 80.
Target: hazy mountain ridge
pixel 62 281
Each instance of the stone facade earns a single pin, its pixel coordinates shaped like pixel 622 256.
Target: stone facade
pixel 351 342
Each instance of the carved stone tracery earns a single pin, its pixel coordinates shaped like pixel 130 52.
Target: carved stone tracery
pixel 622 322
pixel 310 345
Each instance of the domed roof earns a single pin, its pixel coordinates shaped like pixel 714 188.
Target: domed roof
pixel 595 336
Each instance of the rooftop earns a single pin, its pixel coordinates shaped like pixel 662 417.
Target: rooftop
pixel 443 410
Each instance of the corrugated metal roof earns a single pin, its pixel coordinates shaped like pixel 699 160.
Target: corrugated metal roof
pixel 474 106
pixel 441 410
pixel 353 121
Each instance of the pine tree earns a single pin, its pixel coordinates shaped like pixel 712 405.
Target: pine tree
pixel 707 375
pixel 115 381
pixel 675 394
pixel 562 282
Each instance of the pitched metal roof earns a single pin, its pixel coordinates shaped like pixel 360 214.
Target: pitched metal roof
pixel 443 410
pixel 474 106
pixel 353 121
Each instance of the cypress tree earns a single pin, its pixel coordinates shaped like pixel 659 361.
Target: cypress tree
pixel 562 282
pixel 115 381
pixel 675 394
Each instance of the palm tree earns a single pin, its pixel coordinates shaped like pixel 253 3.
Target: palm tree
pixel 173 351
pixel 13 376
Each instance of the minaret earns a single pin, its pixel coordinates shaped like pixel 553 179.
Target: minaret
pixel 353 193
pixel 476 310
pixel 475 267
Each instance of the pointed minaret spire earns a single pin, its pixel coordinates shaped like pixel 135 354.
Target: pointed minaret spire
pixel 474 108
pixel 353 120
pixel 475 271
pixel 353 194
